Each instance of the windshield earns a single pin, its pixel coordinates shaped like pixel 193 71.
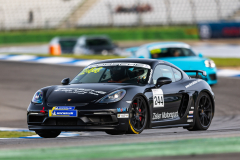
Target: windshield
pixel 97 42
pixel 67 43
pixel 134 73
pixel 171 52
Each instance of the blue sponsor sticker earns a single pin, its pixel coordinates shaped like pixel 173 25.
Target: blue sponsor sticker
pixel 63 113
pixel 121 109
pixel 190 116
pixel 64 108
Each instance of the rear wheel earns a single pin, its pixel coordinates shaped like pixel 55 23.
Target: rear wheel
pixel 203 113
pixel 138 115
pixel 48 134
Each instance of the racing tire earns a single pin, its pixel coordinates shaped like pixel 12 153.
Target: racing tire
pixel 115 132
pixel 203 113
pixel 138 116
pixel 48 134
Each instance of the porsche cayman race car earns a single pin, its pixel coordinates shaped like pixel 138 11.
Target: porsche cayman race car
pixel 123 96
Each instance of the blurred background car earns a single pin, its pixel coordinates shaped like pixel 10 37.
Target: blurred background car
pixel 65 45
pixel 179 54
pixel 95 45
pixel 83 45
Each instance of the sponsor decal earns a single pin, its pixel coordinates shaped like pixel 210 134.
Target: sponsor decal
pixel 190 120
pixel 122 115
pixel 190 112
pixel 121 109
pixel 165 115
pixel 92 70
pixel 63 108
pixel 193 83
pixel 79 91
pixel 192 107
pixel 158 100
pixel 129 101
pixel 119 64
pixel 190 116
pixel 63 111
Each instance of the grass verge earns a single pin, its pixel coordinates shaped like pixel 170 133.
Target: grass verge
pixel 226 62
pixel 133 33
pixel 133 150
pixel 15 134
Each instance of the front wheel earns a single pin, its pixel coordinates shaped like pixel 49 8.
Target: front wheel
pixel 48 134
pixel 203 113
pixel 138 115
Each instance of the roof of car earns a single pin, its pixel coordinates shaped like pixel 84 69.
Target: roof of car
pixel 132 60
pixel 157 45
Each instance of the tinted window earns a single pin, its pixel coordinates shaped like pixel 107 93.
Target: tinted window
pixel 67 43
pixel 97 42
pixel 171 52
pixel 113 74
pixel 163 71
pixel 177 74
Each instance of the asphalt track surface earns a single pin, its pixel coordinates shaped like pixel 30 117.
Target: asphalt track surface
pixel 19 81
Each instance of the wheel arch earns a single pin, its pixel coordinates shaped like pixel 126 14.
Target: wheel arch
pixel 148 107
pixel 211 97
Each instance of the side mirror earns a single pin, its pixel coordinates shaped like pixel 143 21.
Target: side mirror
pixel 200 55
pixel 65 81
pixel 162 81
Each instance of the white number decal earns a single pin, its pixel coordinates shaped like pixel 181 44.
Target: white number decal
pixel 158 99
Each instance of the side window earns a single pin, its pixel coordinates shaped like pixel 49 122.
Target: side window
pixel 163 71
pixel 177 74
pixel 106 76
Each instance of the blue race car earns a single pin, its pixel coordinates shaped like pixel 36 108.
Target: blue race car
pixel 179 54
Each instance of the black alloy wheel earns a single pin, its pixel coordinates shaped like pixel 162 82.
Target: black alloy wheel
pixel 138 115
pixel 203 113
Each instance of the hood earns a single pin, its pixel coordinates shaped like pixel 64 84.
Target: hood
pixel 187 63
pixel 80 93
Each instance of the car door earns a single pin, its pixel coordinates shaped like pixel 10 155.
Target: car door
pixel 166 100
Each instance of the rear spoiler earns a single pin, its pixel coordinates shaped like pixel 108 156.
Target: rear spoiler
pixel 197 71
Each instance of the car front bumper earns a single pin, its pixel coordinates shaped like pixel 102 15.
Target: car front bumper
pixel 88 118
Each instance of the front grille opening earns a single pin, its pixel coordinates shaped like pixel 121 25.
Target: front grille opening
pixel 36 119
pixel 213 76
pixel 100 119
pixel 63 122
pixel 66 122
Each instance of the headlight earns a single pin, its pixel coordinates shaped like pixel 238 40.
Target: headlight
pixel 113 97
pixel 209 63
pixel 38 97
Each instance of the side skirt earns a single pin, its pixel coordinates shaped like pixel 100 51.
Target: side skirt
pixel 171 126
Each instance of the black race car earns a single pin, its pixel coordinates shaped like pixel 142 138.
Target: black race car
pixel 123 96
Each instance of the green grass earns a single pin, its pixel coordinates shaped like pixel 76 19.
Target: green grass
pixel 133 150
pixel 133 33
pixel 15 134
pixel 227 62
